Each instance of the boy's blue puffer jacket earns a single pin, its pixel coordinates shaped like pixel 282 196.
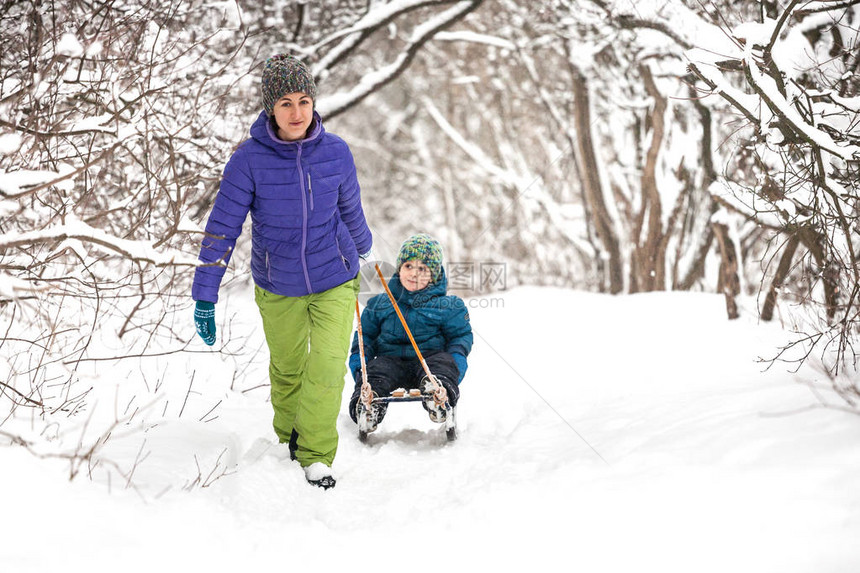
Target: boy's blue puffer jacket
pixel 305 204
pixel 438 322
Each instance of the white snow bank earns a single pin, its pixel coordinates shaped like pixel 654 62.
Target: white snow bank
pixel 600 433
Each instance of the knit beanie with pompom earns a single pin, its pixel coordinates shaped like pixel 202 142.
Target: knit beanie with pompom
pixel 282 75
pixel 424 248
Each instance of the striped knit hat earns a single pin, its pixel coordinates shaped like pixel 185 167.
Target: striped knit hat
pixel 424 248
pixel 282 75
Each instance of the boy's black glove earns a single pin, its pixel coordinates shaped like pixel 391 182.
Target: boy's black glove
pixel 452 389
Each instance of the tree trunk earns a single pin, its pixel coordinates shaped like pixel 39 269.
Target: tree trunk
pixel 591 181
pixel 829 271
pixel 779 278
pixel 709 175
pixel 650 250
pixel 730 283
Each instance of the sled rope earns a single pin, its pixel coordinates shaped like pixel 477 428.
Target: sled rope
pixel 366 391
pixel 440 396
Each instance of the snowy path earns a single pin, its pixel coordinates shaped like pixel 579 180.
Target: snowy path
pixel 597 434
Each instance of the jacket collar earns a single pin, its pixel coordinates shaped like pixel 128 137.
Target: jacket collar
pixel 421 297
pixel 263 130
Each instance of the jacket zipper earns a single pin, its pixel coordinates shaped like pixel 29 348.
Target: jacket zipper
pixel 310 190
pixel 268 268
pixel 304 220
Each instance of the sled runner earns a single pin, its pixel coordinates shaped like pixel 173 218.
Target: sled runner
pixel 367 421
pixel 432 394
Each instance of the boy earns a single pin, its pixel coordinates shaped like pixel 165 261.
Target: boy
pixel 439 323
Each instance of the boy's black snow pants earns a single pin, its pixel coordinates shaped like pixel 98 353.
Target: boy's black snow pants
pixel 387 373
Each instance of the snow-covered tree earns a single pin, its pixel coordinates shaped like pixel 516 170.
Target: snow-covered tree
pixel 791 74
pixel 111 117
pixel 115 122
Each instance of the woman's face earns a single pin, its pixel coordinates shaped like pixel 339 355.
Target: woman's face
pixel 293 114
pixel 414 275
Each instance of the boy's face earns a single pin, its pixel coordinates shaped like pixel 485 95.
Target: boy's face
pixel 414 275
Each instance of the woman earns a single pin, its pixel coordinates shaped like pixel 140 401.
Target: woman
pixel 299 184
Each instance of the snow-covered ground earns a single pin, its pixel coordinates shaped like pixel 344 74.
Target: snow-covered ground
pixel 597 433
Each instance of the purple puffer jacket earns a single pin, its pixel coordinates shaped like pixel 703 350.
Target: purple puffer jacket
pixel 305 203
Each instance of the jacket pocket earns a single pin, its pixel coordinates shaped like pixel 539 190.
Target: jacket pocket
pixel 310 190
pixel 339 252
pixel 268 268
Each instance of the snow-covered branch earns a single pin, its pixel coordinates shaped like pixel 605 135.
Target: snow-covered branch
pixel 18 184
pixel 375 80
pixel 475 38
pixel 476 153
pixel 379 16
pixel 72 230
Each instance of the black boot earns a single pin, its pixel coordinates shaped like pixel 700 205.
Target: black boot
pixel 438 412
pixel 319 474
pixel 374 417
pixel 294 445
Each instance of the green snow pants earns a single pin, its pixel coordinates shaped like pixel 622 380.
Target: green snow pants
pixel 308 338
